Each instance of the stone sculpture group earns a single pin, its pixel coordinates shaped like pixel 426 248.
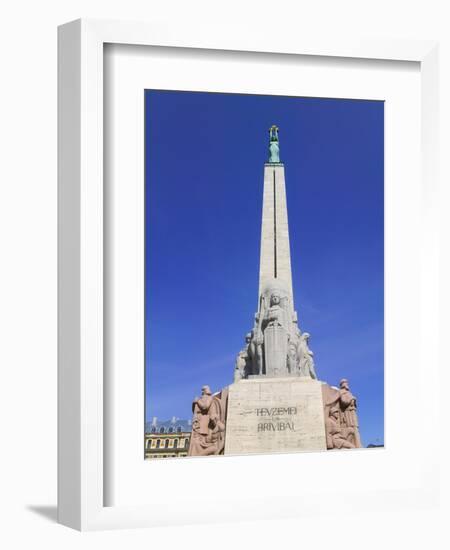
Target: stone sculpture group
pixel 275 346
pixel 209 420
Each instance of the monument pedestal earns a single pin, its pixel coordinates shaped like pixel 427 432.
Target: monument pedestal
pixel 275 415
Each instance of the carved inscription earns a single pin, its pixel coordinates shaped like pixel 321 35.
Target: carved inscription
pixel 275 426
pixel 276 411
pixel 275 415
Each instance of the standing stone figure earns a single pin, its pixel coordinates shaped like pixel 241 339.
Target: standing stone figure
pixel 241 365
pixel 254 343
pixel 208 424
pixel 255 348
pixel 349 418
pixel 306 357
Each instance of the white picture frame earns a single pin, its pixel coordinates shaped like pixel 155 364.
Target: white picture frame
pixel 81 404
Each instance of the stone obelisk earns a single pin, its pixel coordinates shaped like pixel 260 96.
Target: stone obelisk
pixel 275 258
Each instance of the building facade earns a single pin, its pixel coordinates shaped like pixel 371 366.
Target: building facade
pixel 167 439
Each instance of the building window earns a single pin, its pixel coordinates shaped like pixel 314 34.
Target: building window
pixel 158 443
pixel 175 443
pixel 179 429
pixel 170 430
pixel 186 443
pixel 166 443
pixel 153 430
pixel 161 431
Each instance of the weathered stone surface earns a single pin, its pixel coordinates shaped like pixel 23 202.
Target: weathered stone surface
pixel 270 415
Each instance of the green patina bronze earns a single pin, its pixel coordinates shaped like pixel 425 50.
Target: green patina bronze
pixel 274 145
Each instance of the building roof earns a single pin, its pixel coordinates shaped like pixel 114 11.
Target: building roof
pixel 168 426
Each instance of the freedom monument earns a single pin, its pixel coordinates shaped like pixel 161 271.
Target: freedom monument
pixel 276 403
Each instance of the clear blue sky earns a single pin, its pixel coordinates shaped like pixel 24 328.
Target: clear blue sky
pixel 205 157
